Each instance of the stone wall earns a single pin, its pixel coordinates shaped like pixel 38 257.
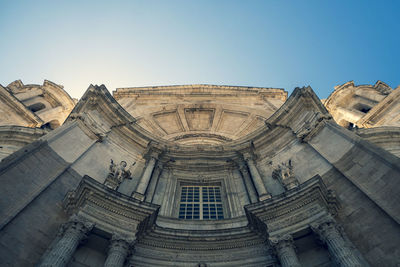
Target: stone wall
pixel 300 137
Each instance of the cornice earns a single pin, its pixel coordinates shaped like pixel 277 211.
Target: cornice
pixel 199 90
pixel 294 209
pixel 201 239
pixel 91 198
pixel 58 94
pixel 20 134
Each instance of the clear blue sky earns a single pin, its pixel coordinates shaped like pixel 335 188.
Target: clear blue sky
pixel 280 44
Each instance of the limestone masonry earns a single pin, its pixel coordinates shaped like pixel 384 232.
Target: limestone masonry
pixel 199 175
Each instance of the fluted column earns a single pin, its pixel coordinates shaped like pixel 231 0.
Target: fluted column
pixel 247 181
pixel 118 251
pixel 145 179
pixel 154 181
pixel 73 232
pixel 286 251
pixel 338 247
pixel 258 182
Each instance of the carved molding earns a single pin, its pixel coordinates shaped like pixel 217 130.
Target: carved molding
pixel 108 208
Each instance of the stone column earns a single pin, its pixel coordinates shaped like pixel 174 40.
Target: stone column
pixel 286 251
pixel 73 232
pixel 118 251
pixel 247 181
pixel 258 182
pixel 154 181
pixel 339 249
pixel 145 179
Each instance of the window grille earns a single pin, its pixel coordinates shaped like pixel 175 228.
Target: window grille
pixel 201 203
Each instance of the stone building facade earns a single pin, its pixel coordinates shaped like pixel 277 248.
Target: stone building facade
pixel 205 175
pixel 28 112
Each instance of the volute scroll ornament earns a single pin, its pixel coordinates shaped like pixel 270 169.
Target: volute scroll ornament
pixel 312 126
pixel 284 240
pixel 118 173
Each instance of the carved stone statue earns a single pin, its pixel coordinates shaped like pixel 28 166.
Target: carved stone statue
pixel 118 173
pixel 285 175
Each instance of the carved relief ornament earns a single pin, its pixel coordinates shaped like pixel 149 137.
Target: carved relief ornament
pixel 285 175
pixel 118 173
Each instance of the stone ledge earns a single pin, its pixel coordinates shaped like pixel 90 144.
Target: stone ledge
pixel 292 210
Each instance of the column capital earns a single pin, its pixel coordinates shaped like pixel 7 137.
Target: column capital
pixel 325 227
pixel 280 242
pixel 240 163
pixel 159 165
pixel 121 242
pixel 76 224
pixel 285 250
pixel 120 245
pixel 129 239
pixel 152 152
pixel 248 156
pixel 243 168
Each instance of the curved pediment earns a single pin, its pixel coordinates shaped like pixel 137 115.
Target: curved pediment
pixel 102 113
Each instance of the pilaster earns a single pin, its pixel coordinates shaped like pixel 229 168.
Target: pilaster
pixel 141 188
pixel 258 182
pixel 247 181
pixel 154 181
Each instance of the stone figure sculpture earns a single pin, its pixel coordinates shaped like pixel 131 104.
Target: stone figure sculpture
pixel 285 175
pixel 118 173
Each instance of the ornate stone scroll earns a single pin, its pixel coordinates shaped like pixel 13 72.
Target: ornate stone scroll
pixel 339 248
pixel 312 126
pixel 285 250
pixel 285 175
pixel 117 174
pixel 72 233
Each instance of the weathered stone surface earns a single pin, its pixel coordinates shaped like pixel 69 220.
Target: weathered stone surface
pixel 231 138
